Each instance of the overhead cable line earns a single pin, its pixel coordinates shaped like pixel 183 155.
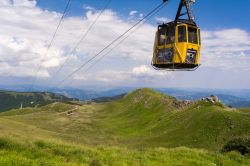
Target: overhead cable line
pixel 119 43
pixel 51 42
pixel 110 44
pixel 81 39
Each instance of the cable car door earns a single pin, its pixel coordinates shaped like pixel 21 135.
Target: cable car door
pixel 180 44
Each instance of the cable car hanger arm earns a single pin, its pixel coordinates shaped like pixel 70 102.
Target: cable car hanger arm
pixel 186 4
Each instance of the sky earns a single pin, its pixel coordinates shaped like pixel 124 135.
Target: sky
pixel 27 27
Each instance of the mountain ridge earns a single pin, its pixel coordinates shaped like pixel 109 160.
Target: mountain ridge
pixel 12 100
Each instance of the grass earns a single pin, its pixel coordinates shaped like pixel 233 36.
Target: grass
pixel 46 153
pixel 245 110
pixel 155 121
pixel 143 128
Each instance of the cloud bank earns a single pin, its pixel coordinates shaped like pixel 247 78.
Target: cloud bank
pixel 26 31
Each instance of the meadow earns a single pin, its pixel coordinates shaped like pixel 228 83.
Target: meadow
pixel 143 128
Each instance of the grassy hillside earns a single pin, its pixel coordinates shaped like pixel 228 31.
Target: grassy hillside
pixel 139 127
pixel 46 153
pixel 245 110
pixel 149 118
pixel 11 100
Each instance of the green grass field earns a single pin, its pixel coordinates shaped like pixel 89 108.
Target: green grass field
pixel 143 128
pixel 45 153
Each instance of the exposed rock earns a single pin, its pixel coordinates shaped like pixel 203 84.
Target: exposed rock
pixel 70 112
pixel 182 103
pixel 214 98
pixel 187 102
pixel 211 99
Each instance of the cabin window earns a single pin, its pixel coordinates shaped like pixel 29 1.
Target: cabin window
pixel 192 35
pixel 182 36
pixel 170 34
pixel 162 37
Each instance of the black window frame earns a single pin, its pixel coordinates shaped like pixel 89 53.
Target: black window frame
pixel 192 34
pixel 170 35
pixel 182 33
pixel 161 31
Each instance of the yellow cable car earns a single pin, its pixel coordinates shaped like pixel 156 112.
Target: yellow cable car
pixel 177 44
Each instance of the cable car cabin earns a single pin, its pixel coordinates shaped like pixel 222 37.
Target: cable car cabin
pixel 177 46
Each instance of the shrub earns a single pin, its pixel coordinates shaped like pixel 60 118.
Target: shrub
pixel 241 145
pixel 40 144
pixel 3 143
pixel 95 162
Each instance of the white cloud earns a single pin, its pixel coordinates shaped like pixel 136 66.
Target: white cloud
pixel 79 77
pixel 226 49
pixel 24 3
pixel 141 69
pixel 162 19
pixel 134 15
pixel 143 74
pixel 87 7
pixel 133 12
pixel 26 30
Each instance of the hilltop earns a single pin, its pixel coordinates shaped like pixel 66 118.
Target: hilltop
pixel 142 120
pixel 152 119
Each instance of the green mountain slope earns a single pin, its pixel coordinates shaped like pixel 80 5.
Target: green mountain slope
pixel 152 119
pixel 10 100
pixel 143 119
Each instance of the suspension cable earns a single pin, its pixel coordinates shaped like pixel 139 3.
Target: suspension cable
pixel 119 43
pixel 81 40
pixel 51 43
pixel 110 44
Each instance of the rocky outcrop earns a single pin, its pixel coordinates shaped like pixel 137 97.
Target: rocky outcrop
pixel 211 99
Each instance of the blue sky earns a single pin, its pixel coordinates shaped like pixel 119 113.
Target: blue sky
pixel 27 28
pixel 211 14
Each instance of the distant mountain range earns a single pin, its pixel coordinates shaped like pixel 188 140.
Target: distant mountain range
pixel 108 99
pixel 12 100
pixel 235 98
